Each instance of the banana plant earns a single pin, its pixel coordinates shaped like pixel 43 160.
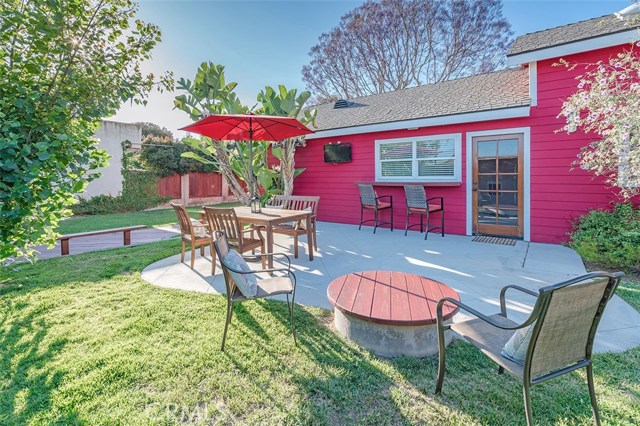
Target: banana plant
pixel 287 103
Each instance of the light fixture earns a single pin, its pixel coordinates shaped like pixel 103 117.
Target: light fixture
pixel 255 205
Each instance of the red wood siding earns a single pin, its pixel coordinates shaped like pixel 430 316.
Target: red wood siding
pixel 205 185
pixel 170 186
pixel 336 183
pixel 558 195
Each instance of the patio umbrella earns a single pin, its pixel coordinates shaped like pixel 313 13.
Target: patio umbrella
pixel 248 127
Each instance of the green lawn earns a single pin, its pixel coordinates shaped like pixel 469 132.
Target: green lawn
pixel 83 340
pixel 117 220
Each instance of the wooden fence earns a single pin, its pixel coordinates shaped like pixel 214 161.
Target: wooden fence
pixel 202 188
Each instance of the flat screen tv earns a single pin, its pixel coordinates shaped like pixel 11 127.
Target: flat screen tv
pixel 337 153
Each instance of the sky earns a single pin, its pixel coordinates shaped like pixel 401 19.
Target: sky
pixel 267 42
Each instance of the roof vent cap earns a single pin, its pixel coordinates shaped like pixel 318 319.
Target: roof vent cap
pixel 628 12
pixel 341 103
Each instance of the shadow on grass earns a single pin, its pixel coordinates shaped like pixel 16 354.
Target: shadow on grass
pixel 27 379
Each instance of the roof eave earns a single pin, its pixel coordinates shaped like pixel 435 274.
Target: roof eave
pixel 467 117
pixel 585 45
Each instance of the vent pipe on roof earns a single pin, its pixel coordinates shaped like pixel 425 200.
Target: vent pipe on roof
pixel 341 103
pixel 628 12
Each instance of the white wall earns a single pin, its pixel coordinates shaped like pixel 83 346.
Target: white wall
pixel 111 135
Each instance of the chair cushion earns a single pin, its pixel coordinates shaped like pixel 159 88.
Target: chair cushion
pixel 246 283
pixel 516 347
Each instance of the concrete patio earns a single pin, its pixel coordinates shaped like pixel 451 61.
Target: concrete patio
pixel 477 271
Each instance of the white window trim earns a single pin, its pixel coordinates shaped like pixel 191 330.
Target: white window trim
pixel 526 132
pixel 457 163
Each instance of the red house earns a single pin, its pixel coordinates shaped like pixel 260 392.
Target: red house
pixel 486 143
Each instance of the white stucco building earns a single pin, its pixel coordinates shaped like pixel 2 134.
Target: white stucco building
pixel 111 135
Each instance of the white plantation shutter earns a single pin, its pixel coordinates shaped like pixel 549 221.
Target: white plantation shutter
pixel 432 158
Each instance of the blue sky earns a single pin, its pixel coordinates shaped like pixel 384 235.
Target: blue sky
pixel 267 42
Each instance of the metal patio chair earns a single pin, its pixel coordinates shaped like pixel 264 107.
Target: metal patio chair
pixel 369 200
pixel 418 203
pixel 564 321
pixel 267 287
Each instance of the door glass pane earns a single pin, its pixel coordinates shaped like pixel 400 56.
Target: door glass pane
pixel 487 182
pixel 508 199
pixel 508 217
pixel 508 182
pixel 396 168
pixel 487 207
pixel 508 148
pixel 487 166
pixel 508 165
pixel 487 148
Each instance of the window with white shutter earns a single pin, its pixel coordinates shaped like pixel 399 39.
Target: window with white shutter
pixel 422 159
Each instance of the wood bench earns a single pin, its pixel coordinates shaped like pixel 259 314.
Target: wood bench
pixel 126 231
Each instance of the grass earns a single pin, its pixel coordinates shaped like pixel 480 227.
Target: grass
pixel 117 220
pixel 85 341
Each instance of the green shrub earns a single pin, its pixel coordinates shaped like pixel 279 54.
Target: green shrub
pixel 611 238
pixel 139 192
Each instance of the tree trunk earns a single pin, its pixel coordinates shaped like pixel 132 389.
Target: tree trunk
pixel 224 166
pixel 287 164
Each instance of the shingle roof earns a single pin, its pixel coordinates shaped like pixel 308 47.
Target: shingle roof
pixel 482 92
pixel 570 33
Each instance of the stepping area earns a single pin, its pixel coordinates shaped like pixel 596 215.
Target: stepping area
pixel 476 271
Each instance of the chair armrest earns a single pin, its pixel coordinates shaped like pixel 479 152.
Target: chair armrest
pixel 436 198
pixel 476 313
pixel 503 292
pixel 385 196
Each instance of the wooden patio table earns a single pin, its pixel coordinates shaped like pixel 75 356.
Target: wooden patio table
pixel 267 218
pixel 390 313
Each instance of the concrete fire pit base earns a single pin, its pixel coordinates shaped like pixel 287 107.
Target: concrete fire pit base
pixel 390 340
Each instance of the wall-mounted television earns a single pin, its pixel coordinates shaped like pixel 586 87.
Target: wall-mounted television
pixel 337 153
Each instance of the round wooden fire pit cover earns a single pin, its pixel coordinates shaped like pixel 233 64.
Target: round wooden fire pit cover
pixel 391 298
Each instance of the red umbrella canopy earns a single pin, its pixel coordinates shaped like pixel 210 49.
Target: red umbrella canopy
pixel 248 127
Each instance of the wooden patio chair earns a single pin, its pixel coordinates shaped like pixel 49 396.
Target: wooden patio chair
pixel 192 233
pixel 297 229
pixel 563 325
pixel 369 200
pixel 418 203
pixel 225 220
pixel 266 287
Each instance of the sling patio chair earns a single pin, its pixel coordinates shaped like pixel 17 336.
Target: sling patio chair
pixel 418 203
pixel 369 200
pixel 194 233
pixel 225 220
pixel 297 229
pixel 555 339
pixel 235 272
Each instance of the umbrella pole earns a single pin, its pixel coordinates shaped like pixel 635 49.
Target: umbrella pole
pixel 254 199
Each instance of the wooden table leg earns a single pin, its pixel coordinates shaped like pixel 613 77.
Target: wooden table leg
pixel 309 237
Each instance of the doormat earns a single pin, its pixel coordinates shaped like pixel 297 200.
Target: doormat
pixel 494 240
